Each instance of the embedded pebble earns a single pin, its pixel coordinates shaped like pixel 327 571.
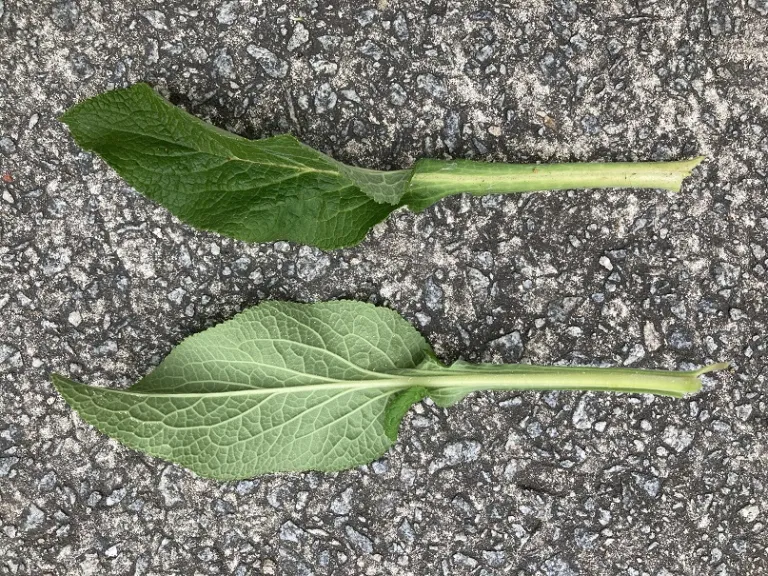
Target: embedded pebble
pixel 359 540
pixel 300 36
pixel 269 62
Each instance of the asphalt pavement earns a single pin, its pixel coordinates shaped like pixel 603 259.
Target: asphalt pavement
pixel 99 283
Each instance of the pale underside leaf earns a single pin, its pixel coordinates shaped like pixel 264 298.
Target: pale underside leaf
pixel 279 387
pixel 290 387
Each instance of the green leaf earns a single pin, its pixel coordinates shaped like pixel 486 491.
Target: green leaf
pixel 280 189
pixel 290 387
pixel 258 191
pixel 279 387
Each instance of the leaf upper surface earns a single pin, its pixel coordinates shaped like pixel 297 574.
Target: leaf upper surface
pixel 279 189
pixel 253 190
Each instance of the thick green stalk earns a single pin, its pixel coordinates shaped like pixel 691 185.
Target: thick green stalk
pixel 435 179
pixel 462 378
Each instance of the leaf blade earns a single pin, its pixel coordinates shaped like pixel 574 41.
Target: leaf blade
pixel 235 442
pixel 257 191
pixel 264 425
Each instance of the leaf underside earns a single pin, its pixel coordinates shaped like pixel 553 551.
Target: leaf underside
pixel 252 190
pixel 293 387
pixel 280 387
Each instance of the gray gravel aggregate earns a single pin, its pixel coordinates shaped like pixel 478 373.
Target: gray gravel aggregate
pixel 99 283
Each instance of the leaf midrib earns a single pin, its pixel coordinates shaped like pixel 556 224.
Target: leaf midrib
pixel 230 157
pixel 394 382
pixel 264 431
pixel 431 380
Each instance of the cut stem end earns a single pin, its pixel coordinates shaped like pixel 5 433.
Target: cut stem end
pixel 712 368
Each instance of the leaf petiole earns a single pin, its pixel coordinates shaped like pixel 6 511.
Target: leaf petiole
pixel 462 378
pixel 435 179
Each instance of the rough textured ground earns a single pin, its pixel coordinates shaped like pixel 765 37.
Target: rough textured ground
pixel 98 283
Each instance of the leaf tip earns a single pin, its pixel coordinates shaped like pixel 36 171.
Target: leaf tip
pixel 64 117
pixel 57 380
pixel 70 114
pixel 63 385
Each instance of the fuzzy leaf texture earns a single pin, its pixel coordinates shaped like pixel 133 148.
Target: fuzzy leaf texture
pixel 279 189
pixel 293 387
